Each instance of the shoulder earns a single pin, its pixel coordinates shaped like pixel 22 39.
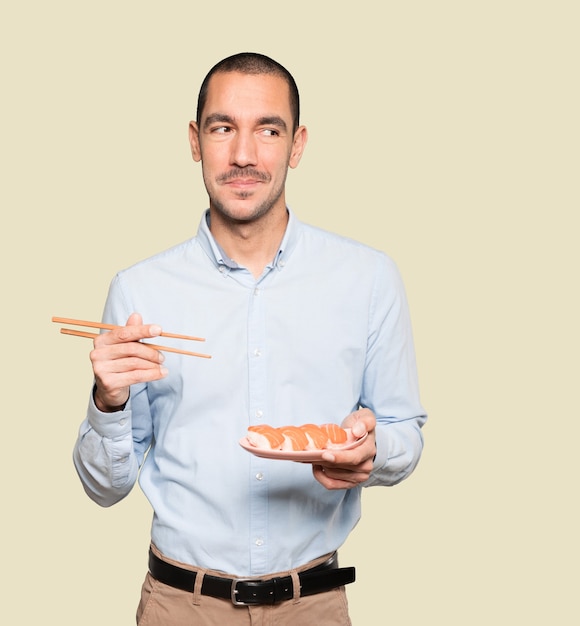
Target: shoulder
pixel 340 247
pixel 170 257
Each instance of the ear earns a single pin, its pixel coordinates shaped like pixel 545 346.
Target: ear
pixel 194 141
pixel 298 145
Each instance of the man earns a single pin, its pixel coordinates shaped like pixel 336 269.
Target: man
pixel 302 326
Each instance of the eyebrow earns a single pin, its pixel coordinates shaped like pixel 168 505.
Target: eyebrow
pixel 217 117
pixel 273 120
pixel 267 120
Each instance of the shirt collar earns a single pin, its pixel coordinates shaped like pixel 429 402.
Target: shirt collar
pixel 224 264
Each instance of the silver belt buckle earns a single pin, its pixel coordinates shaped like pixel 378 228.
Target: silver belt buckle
pixel 235 583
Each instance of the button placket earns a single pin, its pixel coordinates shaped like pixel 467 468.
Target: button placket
pixel 257 368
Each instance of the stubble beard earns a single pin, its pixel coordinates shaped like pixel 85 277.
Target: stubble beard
pixel 260 210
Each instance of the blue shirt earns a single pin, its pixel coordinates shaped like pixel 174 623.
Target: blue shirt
pixel 325 330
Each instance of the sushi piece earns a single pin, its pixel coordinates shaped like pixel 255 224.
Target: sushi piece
pixel 337 436
pixel 264 436
pixel 295 438
pixel 317 438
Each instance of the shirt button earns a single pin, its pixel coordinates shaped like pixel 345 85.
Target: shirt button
pixel 257 352
pixel 259 413
pixel 257 291
pixel 259 542
pixel 259 476
pixel 122 421
pixel 222 268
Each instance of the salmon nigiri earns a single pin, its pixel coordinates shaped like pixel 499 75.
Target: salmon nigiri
pixel 336 435
pixel 317 438
pixel 264 436
pixel 296 438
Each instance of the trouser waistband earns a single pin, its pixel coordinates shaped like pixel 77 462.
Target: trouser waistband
pixel 244 591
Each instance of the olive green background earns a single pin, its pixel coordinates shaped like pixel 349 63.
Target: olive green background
pixel 445 133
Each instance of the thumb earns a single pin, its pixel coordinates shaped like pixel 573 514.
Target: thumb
pixel 134 319
pixel 362 421
pixel 359 428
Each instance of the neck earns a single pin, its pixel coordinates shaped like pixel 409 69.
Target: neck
pixel 251 244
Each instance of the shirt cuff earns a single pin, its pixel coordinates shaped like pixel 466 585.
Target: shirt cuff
pixel 110 425
pixel 382 455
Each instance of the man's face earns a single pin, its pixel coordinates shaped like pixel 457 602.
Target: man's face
pixel 246 144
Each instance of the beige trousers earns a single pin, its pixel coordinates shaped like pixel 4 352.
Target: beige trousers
pixel 162 605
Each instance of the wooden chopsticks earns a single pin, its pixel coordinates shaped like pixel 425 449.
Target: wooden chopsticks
pixel 81 333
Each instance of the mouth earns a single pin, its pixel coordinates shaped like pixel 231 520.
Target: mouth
pixel 242 182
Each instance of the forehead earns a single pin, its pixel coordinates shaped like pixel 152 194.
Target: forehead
pixel 248 96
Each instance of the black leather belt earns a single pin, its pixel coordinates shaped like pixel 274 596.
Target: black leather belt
pixel 243 591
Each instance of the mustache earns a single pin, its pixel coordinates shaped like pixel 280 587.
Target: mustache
pixel 243 172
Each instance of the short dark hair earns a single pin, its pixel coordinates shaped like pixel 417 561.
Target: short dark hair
pixel 252 63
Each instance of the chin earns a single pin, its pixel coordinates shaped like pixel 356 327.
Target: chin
pixel 241 213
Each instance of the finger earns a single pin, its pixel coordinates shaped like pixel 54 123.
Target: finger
pixel 332 480
pixel 128 350
pixel 111 367
pixel 134 319
pixel 111 382
pixel 125 334
pixel 351 459
pixel 120 365
pixel 359 429
pixel 357 473
pixel 113 377
pixel 361 422
pixel 134 330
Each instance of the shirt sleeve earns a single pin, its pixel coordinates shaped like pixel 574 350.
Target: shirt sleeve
pixel 104 456
pixel 390 385
pixel 110 447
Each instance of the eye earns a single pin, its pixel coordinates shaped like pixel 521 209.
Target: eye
pixel 270 132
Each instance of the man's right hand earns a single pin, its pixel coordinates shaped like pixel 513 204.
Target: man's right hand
pixel 120 360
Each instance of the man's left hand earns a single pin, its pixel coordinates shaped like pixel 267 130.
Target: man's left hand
pixel 345 469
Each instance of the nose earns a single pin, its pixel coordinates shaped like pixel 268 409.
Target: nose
pixel 244 149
